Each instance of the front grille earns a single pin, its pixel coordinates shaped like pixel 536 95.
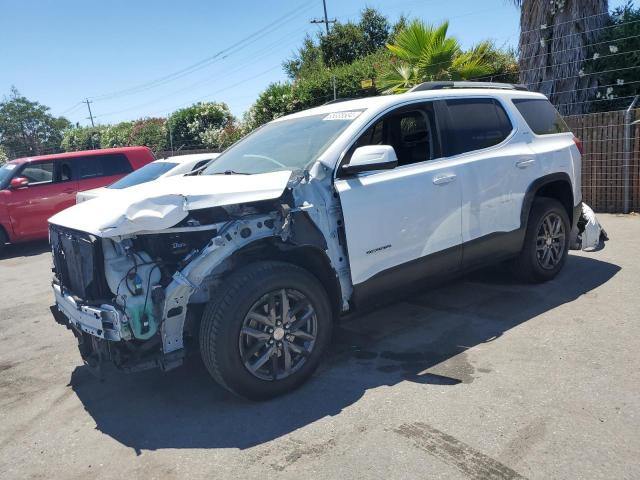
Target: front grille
pixel 78 263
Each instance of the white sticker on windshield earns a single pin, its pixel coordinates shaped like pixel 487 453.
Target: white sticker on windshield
pixel 342 116
pixel 10 166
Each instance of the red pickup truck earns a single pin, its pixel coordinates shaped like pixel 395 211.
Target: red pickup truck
pixel 32 189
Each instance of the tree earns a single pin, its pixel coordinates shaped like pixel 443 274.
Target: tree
pixel 344 44
pixel 27 128
pixel 616 49
pixel 275 101
pixel 553 47
pixel 375 30
pixel 82 138
pixel 187 124
pixel 3 156
pixel 149 132
pixel 307 59
pixel 118 135
pixel 425 53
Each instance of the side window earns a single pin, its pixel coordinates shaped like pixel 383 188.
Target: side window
pixel 410 131
pixel 38 173
pixel 541 116
pixel 475 123
pixel 101 166
pixel 115 164
pixel 65 170
pixel 88 167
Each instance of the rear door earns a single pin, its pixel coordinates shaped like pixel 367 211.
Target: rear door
pixel 497 167
pixel 96 171
pixel 402 224
pixel 51 189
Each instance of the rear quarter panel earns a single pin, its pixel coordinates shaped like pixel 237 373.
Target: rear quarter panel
pixel 140 158
pixel 558 153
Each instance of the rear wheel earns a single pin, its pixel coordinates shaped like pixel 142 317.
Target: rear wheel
pixel 265 332
pixel 546 243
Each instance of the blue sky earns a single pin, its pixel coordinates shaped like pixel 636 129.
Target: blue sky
pixel 59 52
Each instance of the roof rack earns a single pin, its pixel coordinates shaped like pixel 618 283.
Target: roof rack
pixel 447 85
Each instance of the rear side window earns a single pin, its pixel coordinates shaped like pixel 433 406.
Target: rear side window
pixel 541 116
pixel 102 166
pixel 475 123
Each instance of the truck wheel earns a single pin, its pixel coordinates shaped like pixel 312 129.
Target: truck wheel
pixel 546 242
pixel 265 331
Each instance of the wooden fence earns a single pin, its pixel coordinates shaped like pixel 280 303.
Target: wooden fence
pixel 603 162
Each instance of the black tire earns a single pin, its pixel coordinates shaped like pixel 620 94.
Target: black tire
pixel 3 242
pixel 225 316
pixel 528 266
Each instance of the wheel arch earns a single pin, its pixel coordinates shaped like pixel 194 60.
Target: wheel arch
pixel 309 257
pixel 556 186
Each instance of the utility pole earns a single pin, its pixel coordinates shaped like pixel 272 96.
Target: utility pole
pixel 86 100
pixel 326 22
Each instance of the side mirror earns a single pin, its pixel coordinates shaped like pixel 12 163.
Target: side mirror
pixel 18 182
pixel 371 157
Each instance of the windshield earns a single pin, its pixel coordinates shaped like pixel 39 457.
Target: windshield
pixel 284 145
pixel 149 172
pixel 6 172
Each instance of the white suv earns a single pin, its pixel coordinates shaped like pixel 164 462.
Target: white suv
pixel 310 217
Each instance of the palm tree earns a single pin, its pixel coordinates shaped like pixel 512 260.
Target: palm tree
pixel 424 53
pixel 554 39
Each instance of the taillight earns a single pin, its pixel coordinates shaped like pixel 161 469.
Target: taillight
pixel 578 143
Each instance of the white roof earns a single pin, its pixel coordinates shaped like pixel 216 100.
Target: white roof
pixel 382 102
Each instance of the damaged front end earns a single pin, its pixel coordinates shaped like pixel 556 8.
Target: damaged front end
pixel 134 298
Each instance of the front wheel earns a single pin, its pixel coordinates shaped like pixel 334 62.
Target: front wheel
pixel 546 242
pixel 265 331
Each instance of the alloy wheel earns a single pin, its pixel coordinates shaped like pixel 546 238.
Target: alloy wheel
pixel 550 241
pixel 278 334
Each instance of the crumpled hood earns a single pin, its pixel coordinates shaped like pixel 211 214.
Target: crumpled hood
pixel 163 203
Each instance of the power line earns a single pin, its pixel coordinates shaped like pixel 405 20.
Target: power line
pixel 220 55
pixel 216 78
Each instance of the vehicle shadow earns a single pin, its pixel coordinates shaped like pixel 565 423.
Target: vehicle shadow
pixel 421 339
pixel 25 249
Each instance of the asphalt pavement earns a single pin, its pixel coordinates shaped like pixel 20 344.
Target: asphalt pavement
pixel 480 378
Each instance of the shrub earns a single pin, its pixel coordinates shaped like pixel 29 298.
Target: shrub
pixel 149 132
pixel 118 135
pixel 187 124
pixel 81 138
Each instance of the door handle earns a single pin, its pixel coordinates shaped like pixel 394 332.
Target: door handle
pixel 443 179
pixel 71 190
pixel 526 163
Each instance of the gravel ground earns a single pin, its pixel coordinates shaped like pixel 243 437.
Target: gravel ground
pixel 481 378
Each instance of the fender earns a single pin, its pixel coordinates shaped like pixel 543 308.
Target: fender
pixel 533 189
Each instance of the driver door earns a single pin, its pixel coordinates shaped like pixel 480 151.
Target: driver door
pixel 402 224
pixel 51 189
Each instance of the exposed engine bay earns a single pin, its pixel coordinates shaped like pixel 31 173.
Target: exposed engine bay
pixel 135 299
